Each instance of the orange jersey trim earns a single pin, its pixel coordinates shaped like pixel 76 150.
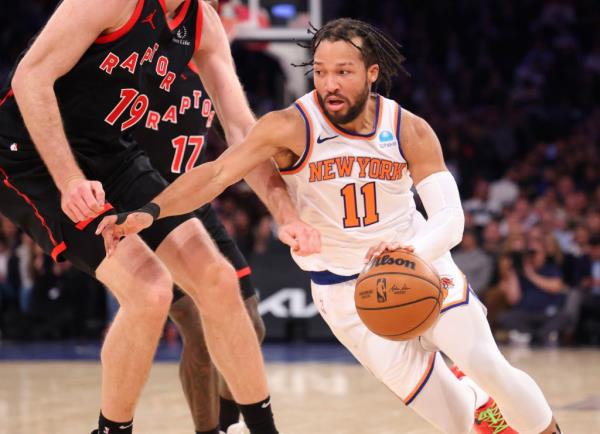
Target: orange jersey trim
pixel 122 31
pixel 463 299
pixel 413 394
pixel 348 134
pixel 301 163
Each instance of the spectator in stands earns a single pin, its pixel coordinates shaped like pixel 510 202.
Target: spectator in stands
pixel 477 204
pixel 505 191
pixel 535 289
pixel 7 293
pixel 589 324
pixel 474 262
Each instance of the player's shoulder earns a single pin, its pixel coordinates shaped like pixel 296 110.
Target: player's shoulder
pixel 282 129
pixel 413 127
pixel 286 120
pixel 112 13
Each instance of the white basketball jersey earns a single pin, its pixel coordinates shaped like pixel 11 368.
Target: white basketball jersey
pixel 354 188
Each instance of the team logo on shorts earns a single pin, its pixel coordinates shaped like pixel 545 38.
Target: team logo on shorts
pixel 382 290
pixel 447 284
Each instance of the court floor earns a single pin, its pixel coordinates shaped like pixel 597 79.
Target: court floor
pixel 333 396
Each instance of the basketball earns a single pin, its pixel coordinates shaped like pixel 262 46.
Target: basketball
pixel 398 296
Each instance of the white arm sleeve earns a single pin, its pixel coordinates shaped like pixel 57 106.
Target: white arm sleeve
pixel 446 220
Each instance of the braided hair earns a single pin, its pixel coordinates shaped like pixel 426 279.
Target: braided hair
pixel 377 47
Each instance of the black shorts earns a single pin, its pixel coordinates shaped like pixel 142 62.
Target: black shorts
pixel 30 199
pixel 228 248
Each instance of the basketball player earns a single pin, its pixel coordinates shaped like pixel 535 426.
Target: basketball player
pixel 64 161
pixel 350 158
pixel 174 148
pixel 174 145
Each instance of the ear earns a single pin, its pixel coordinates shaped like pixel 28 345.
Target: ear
pixel 373 73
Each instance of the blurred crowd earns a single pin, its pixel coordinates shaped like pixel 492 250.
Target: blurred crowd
pixel 512 90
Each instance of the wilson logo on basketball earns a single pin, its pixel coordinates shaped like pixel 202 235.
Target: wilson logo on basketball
pixel 388 260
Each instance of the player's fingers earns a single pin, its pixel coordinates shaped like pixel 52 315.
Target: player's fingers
pixel 106 221
pixel 284 236
pixel 315 238
pixel 287 238
pixel 304 243
pixel 112 236
pixel 79 199
pixel 107 236
pixel 89 201
pixel 312 244
pixel 67 210
pixel 316 241
pixel 294 244
pixel 98 192
pixel 393 246
pixel 76 211
pixel 375 251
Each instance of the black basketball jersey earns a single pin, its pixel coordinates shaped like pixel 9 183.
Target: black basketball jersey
pixel 101 97
pixel 174 133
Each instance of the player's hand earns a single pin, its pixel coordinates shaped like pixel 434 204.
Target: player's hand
pixel 114 227
pixel 303 239
pixel 82 199
pixel 385 246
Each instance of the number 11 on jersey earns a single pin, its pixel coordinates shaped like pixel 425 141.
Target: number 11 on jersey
pixel 369 194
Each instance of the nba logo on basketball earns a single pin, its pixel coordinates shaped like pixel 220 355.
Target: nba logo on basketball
pixel 381 290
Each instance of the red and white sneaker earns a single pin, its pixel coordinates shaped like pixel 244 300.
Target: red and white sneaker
pixel 488 418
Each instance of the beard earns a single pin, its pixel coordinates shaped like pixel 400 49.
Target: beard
pixel 353 110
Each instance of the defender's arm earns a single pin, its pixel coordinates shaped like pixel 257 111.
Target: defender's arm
pixel 217 72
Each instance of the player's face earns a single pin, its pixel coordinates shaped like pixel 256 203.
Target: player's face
pixel 342 80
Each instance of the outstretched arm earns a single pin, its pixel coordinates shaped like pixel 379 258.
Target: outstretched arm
pixel 217 72
pixel 205 182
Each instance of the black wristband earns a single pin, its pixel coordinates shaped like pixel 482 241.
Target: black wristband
pixel 150 208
